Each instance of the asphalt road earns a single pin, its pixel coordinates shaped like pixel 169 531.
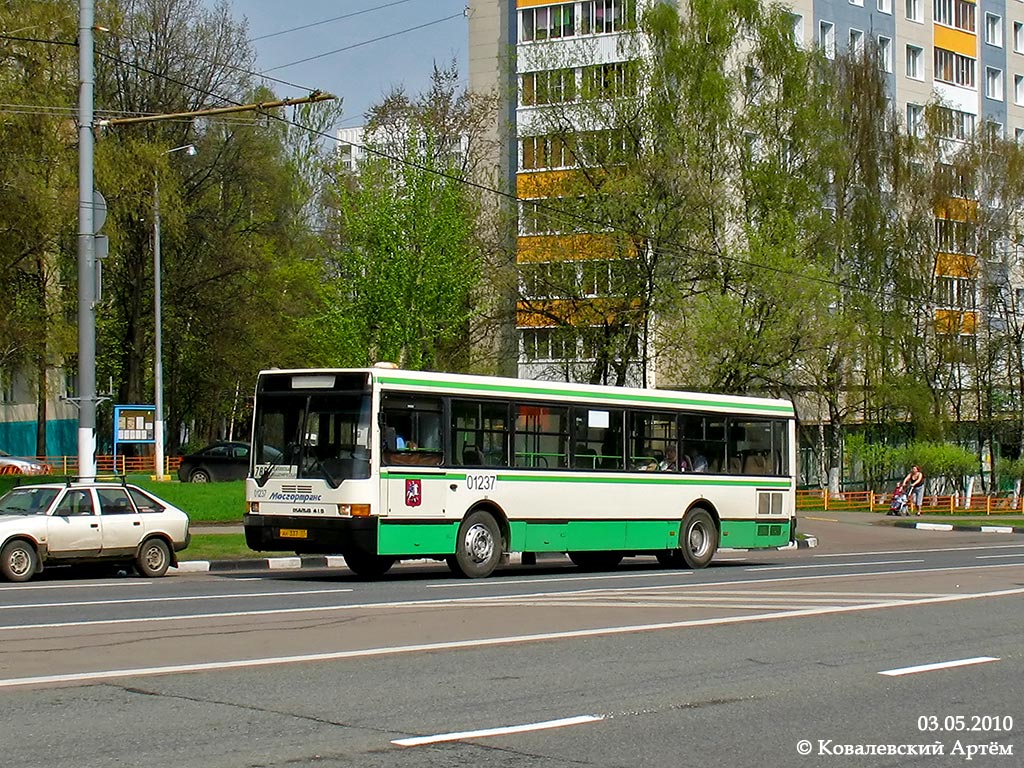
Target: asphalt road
pixel 734 665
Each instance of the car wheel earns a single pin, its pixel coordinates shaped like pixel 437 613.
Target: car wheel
pixel 479 547
pixel 199 476
pixel 153 559
pixel 18 561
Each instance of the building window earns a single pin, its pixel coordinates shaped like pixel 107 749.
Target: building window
pixel 952 236
pixel 548 87
pixel 885 6
pixel 857 2
pixel 994 30
pixel 1018 37
pixel 954 68
pixel 954 124
pixel 602 16
pixel 609 81
pixel 915 120
pixel 955 13
pixel 956 292
pixel 1018 89
pixel 547 23
pixel 885 53
pixel 994 83
pixel 915 10
pixel 915 59
pixel 827 38
pixel 797 22
pixel 1018 135
pixel 856 42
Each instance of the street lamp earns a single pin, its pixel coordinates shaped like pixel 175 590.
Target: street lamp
pixel 158 364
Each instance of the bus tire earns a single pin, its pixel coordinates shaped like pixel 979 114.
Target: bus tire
pixel 478 548
pixel 367 565
pixel 595 561
pixel 698 539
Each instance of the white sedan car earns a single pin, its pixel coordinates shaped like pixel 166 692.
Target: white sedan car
pixel 73 523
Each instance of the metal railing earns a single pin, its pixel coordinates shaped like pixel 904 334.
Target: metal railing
pixel 125 465
pixel 869 501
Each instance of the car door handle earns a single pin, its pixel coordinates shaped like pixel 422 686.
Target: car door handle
pixel 137 523
pixel 94 525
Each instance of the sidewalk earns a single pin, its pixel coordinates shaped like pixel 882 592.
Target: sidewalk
pixel 930 522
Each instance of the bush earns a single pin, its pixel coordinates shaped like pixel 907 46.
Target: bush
pixel 941 461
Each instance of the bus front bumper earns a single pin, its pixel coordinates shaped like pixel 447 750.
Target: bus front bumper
pixel 310 535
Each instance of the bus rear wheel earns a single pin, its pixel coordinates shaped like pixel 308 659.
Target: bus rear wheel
pixel 698 539
pixel 478 548
pixel 367 565
pixel 595 561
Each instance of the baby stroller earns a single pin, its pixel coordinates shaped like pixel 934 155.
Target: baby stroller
pixel 899 503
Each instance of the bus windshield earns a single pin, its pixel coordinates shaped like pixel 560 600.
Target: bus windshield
pixel 312 435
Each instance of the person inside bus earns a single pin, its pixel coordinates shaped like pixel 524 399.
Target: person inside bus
pixel 671 461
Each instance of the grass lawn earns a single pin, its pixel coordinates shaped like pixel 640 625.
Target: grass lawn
pixel 204 502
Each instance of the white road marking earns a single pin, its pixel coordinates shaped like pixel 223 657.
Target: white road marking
pixel 993 557
pixel 475 600
pixel 171 599
pixel 939 665
pixel 559 579
pixel 829 565
pixel 78 585
pixel 416 741
pixel 88 677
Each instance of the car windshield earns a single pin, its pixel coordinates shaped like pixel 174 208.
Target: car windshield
pixel 27 501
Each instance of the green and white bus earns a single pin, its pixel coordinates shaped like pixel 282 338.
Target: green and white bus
pixel 381 464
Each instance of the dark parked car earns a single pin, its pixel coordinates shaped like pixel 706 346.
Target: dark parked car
pixel 217 461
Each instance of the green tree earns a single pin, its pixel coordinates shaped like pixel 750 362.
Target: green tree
pixel 37 193
pixel 401 275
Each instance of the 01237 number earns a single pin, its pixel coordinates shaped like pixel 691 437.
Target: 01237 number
pixel 478 482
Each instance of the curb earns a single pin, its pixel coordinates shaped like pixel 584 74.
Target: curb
pixel 964 528
pixel 259 564
pixel 337 561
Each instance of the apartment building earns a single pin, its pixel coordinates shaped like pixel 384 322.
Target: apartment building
pixel 968 55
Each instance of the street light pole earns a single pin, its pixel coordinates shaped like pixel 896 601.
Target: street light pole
pixel 86 250
pixel 158 361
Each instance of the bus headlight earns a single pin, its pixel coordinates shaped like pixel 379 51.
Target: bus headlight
pixel 354 510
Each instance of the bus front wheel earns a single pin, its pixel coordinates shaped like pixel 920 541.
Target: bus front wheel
pixel 478 549
pixel 368 565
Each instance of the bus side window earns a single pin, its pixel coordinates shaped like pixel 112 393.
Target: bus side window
pixel 479 432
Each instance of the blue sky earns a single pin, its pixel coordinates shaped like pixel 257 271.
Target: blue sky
pixel 365 73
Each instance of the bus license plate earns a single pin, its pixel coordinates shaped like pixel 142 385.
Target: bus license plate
pixel 293 533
